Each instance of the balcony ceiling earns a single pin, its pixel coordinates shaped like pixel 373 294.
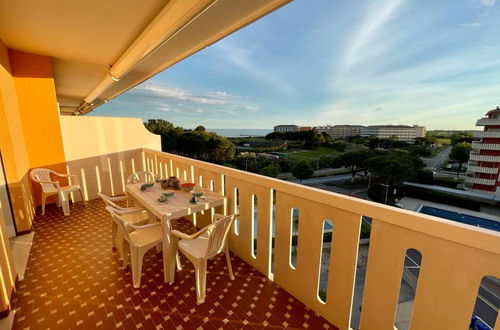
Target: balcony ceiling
pixel 137 39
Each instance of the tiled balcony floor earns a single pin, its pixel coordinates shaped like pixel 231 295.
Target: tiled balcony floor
pixel 74 280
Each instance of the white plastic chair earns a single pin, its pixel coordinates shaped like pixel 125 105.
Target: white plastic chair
pixel 50 187
pixel 133 215
pixel 140 239
pixel 139 177
pixel 203 245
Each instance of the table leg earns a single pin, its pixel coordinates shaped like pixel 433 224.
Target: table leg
pixel 169 253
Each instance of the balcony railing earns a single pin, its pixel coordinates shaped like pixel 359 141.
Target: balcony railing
pixel 485 146
pixel 262 236
pixel 484 158
pixel 486 182
pixel 487 134
pixel 488 121
pixel 480 169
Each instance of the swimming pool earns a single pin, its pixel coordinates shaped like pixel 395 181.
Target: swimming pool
pixel 459 217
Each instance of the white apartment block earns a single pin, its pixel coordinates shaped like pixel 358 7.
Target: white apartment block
pixel 286 128
pixel 341 131
pixel 401 132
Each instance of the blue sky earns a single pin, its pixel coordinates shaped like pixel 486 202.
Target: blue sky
pixel 318 62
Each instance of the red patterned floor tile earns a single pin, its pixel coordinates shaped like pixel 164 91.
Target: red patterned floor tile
pixel 74 280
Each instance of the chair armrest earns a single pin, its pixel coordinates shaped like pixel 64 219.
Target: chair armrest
pixel 188 237
pixel 129 210
pixel 45 181
pixel 139 227
pixel 219 216
pixel 117 198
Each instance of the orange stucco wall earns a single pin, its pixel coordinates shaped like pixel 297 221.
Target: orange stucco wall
pixel 15 159
pixel 36 95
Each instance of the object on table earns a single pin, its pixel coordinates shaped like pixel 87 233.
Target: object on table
pixel 168 193
pixel 162 199
pixel 172 180
pixel 164 184
pixel 147 186
pixel 188 186
pixel 196 197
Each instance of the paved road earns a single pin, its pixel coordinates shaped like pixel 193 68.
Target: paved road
pixel 434 163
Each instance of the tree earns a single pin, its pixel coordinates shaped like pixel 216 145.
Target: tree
pixel 425 176
pixel 461 137
pixel 168 132
pixel 302 169
pixel 270 170
pixel 220 149
pixel 312 139
pixel 353 160
pixel 275 136
pixel 196 143
pixel 395 166
pixel 391 170
pixel 460 153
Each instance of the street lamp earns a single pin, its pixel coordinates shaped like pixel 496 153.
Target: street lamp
pixel 386 191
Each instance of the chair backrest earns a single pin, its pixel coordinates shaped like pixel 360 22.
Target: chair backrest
pixel 38 174
pixel 120 222
pixel 141 177
pixel 108 202
pixel 218 232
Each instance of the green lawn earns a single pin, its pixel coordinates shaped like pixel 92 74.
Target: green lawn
pixel 443 141
pixel 316 153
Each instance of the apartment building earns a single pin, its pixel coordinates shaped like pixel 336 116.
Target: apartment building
pixel 484 163
pixel 401 132
pixel 286 128
pixel 341 131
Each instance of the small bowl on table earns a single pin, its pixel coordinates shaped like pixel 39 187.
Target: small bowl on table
pixel 188 186
pixel 168 194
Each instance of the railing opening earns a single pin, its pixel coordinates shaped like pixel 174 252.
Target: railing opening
pixel 211 185
pixel 255 222
pixel 98 179
pixel 485 312
pixel 294 237
pixel 273 227
pixel 409 281
pixel 236 208
pixel 185 175
pixel 201 181
pixel 324 264
pixel 363 249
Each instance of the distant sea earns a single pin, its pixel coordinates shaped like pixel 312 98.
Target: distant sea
pixel 238 132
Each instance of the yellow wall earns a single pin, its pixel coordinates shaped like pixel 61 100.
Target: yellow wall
pixel 109 135
pixel 30 137
pixel 15 159
pixel 39 113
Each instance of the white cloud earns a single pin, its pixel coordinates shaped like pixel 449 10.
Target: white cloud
pixel 153 99
pixel 487 3
pixel 473 24
pixel 376 17
pixel 244 58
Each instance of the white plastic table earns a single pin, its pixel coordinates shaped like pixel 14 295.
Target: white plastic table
pixel 177 206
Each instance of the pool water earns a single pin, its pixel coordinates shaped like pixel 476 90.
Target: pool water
pixel 462 218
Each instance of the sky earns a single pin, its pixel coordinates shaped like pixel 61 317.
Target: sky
pixel 319 62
